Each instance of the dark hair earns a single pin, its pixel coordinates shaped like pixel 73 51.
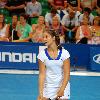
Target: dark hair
pixel 23 15
pixel 14 15
pixel 54 11
pixel 54 33
pixel 87 10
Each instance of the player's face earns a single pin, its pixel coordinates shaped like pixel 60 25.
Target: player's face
pixel 48 39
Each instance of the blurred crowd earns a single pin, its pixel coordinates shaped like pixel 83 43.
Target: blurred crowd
pixel 76 21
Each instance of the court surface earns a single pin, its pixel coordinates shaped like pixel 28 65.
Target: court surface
pixel 23 85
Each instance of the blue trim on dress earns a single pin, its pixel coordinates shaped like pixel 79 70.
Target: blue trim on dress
pixel 58 57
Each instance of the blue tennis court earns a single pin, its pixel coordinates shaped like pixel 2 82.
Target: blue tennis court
pixel 25 87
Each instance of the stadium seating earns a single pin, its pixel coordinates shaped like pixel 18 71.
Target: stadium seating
pixel 34 20
pixel 8 20
pixel 5 12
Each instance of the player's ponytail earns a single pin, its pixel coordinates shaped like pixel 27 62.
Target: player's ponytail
pixel 57 40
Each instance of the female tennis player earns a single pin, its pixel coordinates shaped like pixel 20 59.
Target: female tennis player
pixel 54 69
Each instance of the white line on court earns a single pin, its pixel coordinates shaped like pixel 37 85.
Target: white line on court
pixel 78 73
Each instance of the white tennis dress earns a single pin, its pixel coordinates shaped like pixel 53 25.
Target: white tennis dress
pixel 54 73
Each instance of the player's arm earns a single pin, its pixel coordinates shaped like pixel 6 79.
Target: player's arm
pixel 41 77
pixel 66 70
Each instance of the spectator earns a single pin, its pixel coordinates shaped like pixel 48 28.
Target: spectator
pixel 98 7
pixel 4 29
pixel 88 3
pixel 58 28
pixel 95 31
pixel 77 13
pixel 73 4
pixel 57 4
pixel 49 16
pixel 68 8
pixel 70 24
pixel 60 4
pixel 23 29
pixel 33 9
pixel 87 13
pixel 15 7
pixel 98 3
pixel 3 3
pixel 64 10
pixel 37 34
pixel 13 32
pixel 83 33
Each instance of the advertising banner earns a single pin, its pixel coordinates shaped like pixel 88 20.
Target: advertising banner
pixel 19 56
pixel 95 58
pixel 24 55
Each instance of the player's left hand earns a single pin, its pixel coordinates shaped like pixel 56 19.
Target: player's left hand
pixel 60 93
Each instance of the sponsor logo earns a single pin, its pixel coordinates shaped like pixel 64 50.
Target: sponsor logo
pixel 96 58
pixel 17 57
